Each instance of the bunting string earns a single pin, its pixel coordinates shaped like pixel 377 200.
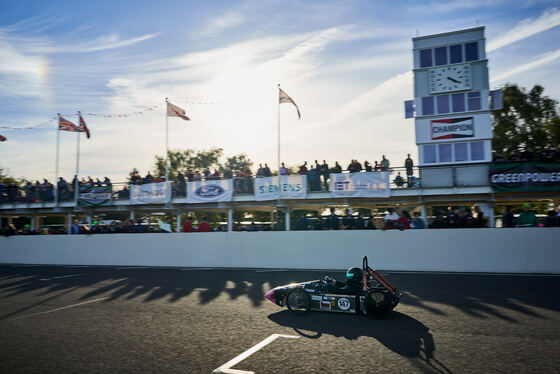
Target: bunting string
pixel 103 115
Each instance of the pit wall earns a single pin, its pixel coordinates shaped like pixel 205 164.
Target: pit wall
pixel 527 250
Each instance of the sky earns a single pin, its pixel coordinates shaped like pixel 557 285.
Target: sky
pixel 347 65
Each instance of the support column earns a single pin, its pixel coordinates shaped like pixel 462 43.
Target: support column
pixel 287 218
pixel 38 222
pixel 10 220
pixel 69 223
pixel 424 213
pixel 1 223
pixel 33 221
pixel 179 222
pixel 230 219
pixel 89 219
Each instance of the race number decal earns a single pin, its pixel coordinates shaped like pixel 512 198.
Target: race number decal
pixel 344 303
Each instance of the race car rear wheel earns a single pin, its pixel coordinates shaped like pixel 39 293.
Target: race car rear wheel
pixel 298 301
pixel 378 304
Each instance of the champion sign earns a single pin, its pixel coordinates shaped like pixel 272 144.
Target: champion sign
pixel 452 128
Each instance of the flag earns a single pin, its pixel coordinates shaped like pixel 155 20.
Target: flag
pixel 3 138
pixel 65 125
pixel 83 126
pixel 284 98
pixel 175 111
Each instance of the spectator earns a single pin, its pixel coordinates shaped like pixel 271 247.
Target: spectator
pixel 498 157
pixel 319 224
pixel 260 172
pixel 107 182
pixel 187 226
pixel 325 174
pixel 266 171
pixel 513 156
pixel 228 174
pixel 377 166
pixel 403 223
pixel 148 178
pixel 75 228
pixel 479 219
pixel 361 223
pixel 190 175
pixel 526 155
pixel 367 167
pixel 302 223
pixel 75 182
pixel 204 226
pixel 551 220
pixel 547 155
pixel 408 164
pixel 348 221
pixel 216 174
pixel 197 176
pixel 336 168
pixel 279 225
pixel 390 219
pixel 417 222
pixel 252 227
pixel 350 167
pixel 399 181
pixel 509 218
pixel 283 170
pixel 158 179
pixel 303 169
pixel 527 218
pixel 384 163
pixel 371 223
pixel 438 222
pixel 332 221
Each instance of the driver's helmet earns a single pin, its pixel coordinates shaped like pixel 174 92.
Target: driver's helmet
pixel 354 275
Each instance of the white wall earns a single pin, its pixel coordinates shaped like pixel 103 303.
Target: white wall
pixel 527 250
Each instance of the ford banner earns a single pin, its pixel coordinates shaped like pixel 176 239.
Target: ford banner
pixel 290 187
pixel 372 184
pixel 209 191
pixel 151 193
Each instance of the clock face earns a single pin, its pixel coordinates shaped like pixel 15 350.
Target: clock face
pixel 450 78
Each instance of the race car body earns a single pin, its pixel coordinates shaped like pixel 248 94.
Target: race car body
pixel 377 298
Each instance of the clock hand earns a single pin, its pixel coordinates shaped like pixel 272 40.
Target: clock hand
pixel 453 80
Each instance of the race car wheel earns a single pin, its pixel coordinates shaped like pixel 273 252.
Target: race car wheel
pixel 378 304
pixel 298 301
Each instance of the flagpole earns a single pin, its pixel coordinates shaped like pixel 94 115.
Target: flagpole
pixel 57 157
pixel 278 141
pixel 78 151
pixel 166 144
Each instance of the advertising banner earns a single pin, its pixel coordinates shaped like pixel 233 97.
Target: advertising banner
pixel 94 195
pixel 209 191
pixel 525 177
pixel 291 187
pixel 371 184
pixel 452 128
pixel 151 193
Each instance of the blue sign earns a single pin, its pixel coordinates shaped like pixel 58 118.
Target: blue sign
pixel 209 191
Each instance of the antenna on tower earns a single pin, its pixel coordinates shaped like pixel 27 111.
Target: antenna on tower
pixel 417 32
pixel 477 22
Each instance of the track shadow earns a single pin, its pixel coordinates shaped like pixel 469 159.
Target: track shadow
pixel 399 333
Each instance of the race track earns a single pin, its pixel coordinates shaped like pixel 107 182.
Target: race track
pixel 155 320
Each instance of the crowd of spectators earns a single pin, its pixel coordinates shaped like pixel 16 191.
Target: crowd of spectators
pixel 546 155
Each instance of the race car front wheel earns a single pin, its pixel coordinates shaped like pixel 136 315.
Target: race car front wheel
pixel 298 301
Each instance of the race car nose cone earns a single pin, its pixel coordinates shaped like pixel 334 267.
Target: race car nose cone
pixel 270 296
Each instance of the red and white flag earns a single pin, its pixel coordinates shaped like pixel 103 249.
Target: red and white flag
pixel 175 111
pixel 284 98
pixel 83 126
pixel 65 125
pixel 3 138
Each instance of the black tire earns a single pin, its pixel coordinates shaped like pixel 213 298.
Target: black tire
pixel 298 301
pixel 378 304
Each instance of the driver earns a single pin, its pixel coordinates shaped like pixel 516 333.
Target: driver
pixel 352 286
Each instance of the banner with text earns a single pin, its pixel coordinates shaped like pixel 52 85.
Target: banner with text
pixel 151 193
pixel 525 177
pixel 94 195
pixel 291 187
pixel 209 191
pixel 372 184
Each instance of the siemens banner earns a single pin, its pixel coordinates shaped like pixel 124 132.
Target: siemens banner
pixel 209 191
pixel 372 184
pixel 151 193
pixel 291 187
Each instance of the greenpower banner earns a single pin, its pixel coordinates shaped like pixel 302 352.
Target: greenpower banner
pixel 290 187
pixel 525 177
pixel 94 195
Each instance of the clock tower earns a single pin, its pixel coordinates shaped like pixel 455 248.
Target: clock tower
pixel 453 124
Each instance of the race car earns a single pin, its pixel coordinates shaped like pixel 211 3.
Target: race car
pixel 377 298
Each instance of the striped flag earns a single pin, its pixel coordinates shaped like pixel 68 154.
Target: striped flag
pixel 83 126
pixel 65 125
pixel 175 111
pixel 284 98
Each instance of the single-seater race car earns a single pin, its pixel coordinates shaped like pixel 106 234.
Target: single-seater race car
pixel 376 298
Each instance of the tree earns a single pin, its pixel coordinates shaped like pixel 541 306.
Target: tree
pixel 528 119
pixel 239 162
pixel 6 179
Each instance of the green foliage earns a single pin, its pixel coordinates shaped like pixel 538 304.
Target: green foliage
pixel 528 119
pixel 238 162
pixel 6 179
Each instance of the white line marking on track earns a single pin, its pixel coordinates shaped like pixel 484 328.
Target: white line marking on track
pixel 62 276
pixel 226 368
pixel 195 269
pixel 61 308
pixel 134 267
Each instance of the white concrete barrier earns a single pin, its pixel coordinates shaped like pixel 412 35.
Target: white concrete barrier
pixel 527 250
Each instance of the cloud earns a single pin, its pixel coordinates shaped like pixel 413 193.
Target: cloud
pixel 550 18
pixel 541 61
pixel 221 23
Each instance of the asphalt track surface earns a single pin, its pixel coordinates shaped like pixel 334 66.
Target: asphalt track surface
pixel 154 320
